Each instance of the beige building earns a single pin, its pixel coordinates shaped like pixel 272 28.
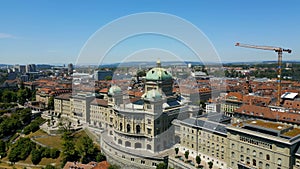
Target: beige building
pixel 262 144
pixel 206 137
pixel 137 130
pixel 100 113
pixel 62 105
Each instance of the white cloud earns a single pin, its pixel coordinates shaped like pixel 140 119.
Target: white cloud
pixel 6 36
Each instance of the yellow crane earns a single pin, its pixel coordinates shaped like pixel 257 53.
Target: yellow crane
pixel 279 51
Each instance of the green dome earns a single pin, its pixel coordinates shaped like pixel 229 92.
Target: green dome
pixel 114 89
pixel 158 74
pixel 153 94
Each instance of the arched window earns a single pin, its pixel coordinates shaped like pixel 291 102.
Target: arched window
pixel 232 154
pixel 138 129
pixel 279 161
pixel 254 162
pixel 260 164
pixel 120 141
pixel 248 160
pixel 148 147
pixel 121 126
pixel 242 149
pixel 127 144
pixel 242 158
pixel 137 145
pixel 254 153
pixel 128 128
pixel 268 157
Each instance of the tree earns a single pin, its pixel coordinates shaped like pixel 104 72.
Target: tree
pixel 176 150
pixel 86 148
pixel 21 149
pixel 198 160
pixel 48 166
pixel 51 103
pixel 8 96
pixel 54 153
pixel 186 154
pixel 108 78
pixel 210 164
pixel 113 166
pixel 36 156
pixel 21 95
pixel 2 148
pixel 162 166
pixel 100 157
pixel 69 152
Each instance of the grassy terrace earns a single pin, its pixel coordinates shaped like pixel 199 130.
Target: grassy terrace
pixel 270 125
pixel 292 133
pixel 47 140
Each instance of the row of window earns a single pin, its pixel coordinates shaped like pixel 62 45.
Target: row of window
pixel 203 135
pixel 255 142
pixel 132 159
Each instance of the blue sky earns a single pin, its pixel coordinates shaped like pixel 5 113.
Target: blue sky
pixel 44 31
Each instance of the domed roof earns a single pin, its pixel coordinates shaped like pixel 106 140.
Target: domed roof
pixel 152 94
pixel 158 73
pixel 114 89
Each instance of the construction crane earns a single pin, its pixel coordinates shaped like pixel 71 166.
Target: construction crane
pixel 279 51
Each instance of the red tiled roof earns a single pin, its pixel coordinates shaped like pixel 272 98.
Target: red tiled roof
pixel 99 102
pixel 267 113
pixel 104 90
pixel 102 165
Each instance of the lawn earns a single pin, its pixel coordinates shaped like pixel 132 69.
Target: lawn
pixel 51 141
pixel 37 133
pixel 46 161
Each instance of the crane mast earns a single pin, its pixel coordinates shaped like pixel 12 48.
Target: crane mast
pixel 279 51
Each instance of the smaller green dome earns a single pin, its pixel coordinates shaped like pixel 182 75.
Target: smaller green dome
pixel 158 74
pixel 153 94
pixel 114 89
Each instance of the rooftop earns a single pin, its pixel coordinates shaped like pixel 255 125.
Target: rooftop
pixel 292 133
pixel 206 125
pixel 269 128
pixel 269 125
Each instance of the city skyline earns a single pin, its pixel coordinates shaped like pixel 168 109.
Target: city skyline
pixel 55 32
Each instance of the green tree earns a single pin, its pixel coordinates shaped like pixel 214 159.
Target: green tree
pixel 108 78
pixel 198 160
pixel 2 148
pixel 21 95
pixel 186 154
pixel 36 156
pixel 176 151
pixel 21 149
pixel 48 166
pixel 100 157
pixel 22 85
pixel 8 96
pixel 51 103
pixel 113 166
pixel 69 152
pixel 162 166
pixel 210 164
pixel 86 148
pixel 54 153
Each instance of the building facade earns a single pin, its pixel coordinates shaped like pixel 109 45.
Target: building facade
pixel 262 144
